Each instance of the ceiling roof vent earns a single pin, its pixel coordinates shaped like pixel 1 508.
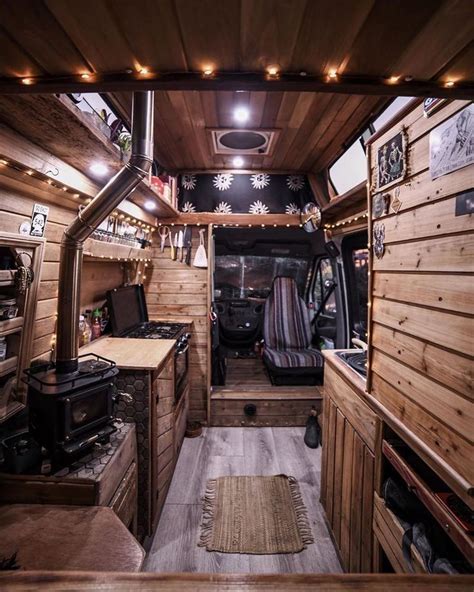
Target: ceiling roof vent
pixel 243 141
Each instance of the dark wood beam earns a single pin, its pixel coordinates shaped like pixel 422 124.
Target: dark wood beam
pixel 231 81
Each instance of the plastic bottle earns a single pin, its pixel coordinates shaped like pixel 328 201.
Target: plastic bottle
pixel 96 327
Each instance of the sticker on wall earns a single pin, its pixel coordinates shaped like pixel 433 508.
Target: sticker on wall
pixel 392 161
pixel 39 218
pixel 430 105
pixel 379 239
pixel 380 204
pixel 465 203
pixel 395 204
pixel 25 228
pixel 452 143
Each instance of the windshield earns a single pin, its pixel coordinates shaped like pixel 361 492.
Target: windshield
pixel 252 276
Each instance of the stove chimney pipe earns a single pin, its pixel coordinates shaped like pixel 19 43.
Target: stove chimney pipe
pixel 116 190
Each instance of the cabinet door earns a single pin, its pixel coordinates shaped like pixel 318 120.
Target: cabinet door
pixel 347 489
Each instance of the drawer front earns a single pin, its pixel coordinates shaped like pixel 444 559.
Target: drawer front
pixel 124 501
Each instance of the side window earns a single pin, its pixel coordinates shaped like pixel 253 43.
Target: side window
pixel 356 266
pixel 323 280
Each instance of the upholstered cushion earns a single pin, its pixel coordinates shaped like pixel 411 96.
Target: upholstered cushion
pixel 294 358
pixel 286 323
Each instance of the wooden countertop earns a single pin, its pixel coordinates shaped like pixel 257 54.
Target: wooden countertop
pixel 149 582
pixel 131 354
pixel 347 372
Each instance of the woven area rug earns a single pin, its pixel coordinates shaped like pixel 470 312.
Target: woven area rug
pixel 254 515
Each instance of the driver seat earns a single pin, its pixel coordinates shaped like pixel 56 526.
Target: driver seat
pixel 288 355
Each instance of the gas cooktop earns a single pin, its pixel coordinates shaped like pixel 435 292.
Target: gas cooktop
pixel 157 330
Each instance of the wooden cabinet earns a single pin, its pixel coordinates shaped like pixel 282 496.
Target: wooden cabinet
pixel 351 434
pixel 17 331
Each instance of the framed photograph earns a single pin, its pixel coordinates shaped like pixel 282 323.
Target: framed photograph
pixel 392 161
pixel 452 143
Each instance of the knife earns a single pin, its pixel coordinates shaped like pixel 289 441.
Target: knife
pixel 174 247
pixel 180 245
pixel 188 239
pixel 173 250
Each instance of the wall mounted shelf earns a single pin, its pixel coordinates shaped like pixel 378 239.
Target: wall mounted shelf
pixel 96 249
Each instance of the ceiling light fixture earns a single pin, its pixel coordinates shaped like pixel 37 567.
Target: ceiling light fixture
pixel 85 76
pixel 241 114
pixel 143 71
pixel 393 79
pixel 449 83
pixel 273 71
pixel 332 74
pixel 27 80
pixel 149 205
pixel 208 71
pixel 99 169
pixel 238 162
pixel 29 172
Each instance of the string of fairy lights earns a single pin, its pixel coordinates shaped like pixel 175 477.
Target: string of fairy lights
pixel 209 72
pixel 69 191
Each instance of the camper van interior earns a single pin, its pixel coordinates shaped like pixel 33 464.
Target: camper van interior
pixel 236 295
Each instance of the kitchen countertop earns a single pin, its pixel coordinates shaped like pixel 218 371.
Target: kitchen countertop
pixel 131 354
pixel 351 375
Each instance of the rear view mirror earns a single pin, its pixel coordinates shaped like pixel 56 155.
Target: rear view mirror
pixel 311 217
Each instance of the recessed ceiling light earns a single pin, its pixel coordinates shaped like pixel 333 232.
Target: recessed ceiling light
pixel 143 71
pixel 393 79
pixel 85 76
pixel 449 83
pixel 208 71
pixel 149 205
pixel 27 80
pixel 332 74
pixel 238 161
pixel 241 114
pixel 273 70
pixel 99 169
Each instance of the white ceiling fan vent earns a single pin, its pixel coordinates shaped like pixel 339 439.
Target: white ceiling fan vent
pixel 243 141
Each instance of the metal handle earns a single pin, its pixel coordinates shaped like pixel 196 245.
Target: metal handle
pixel 182 351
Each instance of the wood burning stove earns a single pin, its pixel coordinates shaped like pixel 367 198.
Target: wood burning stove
pixel 70 412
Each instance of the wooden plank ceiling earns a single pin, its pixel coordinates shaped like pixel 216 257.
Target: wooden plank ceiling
pixel 424 39
pixel 312 126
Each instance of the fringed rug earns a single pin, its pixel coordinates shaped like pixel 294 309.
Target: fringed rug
pixel 255 515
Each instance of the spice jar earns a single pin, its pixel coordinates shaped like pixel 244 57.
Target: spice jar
pixel 8 308
pixel 3 348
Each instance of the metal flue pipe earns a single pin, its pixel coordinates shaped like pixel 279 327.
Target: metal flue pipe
pixel 116 190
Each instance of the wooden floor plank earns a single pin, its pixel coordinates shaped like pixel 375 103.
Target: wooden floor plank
pixel 238 451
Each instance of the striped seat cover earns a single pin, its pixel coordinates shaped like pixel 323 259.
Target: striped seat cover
pixel 286 328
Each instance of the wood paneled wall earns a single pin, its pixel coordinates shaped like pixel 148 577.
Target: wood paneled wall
pixel 16 207
pixel 178 292
pixel 422 330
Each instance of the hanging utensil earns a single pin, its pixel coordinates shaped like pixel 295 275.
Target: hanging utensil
pixel 172 250
pixel 188 241
pixel 200 259
pixel 175 250
pixel 180 245
pixel 164 233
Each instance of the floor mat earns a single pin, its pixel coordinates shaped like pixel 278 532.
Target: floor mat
pixel 254 515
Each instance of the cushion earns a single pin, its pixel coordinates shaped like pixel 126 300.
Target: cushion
pixel 294 358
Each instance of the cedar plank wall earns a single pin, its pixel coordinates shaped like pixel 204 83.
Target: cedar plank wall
pixel 177 292
pixel 97 277
pixel 422 330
